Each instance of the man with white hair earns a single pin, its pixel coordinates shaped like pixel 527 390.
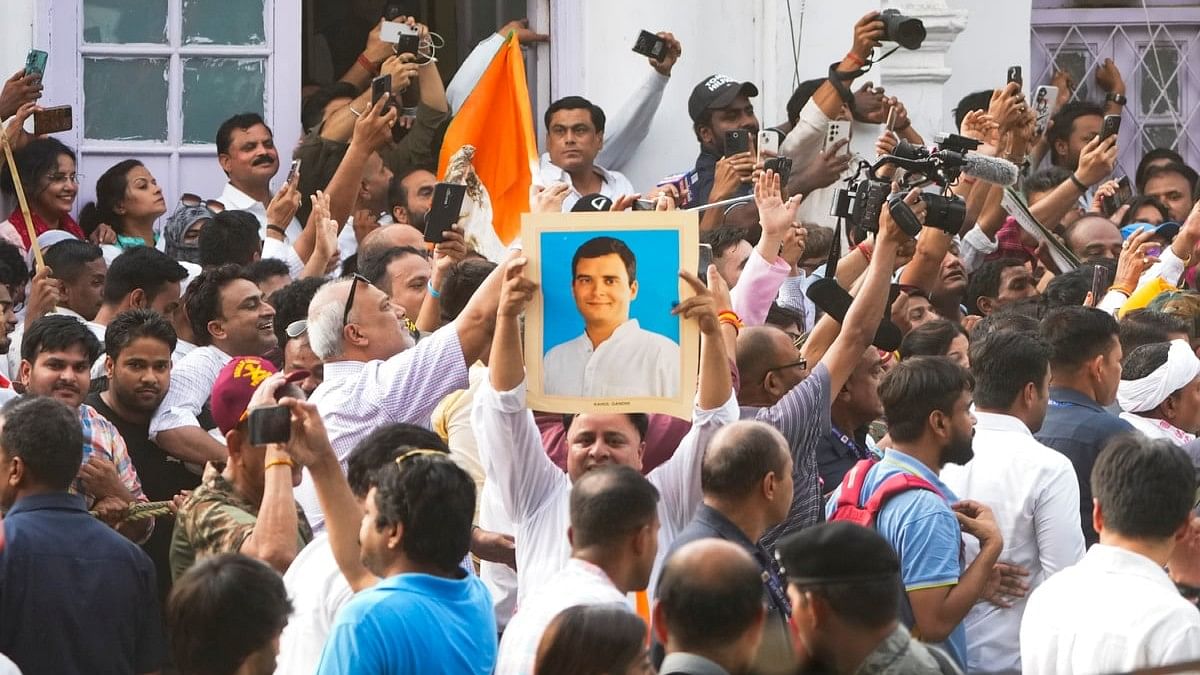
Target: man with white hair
pixel 373 372
pixel 1160 391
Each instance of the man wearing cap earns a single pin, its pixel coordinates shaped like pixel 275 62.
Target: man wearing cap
pixel 717 105
pixel 245 506
pixel 842 580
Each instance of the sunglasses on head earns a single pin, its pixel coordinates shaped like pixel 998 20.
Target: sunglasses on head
pixel 189 199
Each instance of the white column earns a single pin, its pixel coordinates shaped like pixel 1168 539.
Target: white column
pixel 917 77
pixel 16 35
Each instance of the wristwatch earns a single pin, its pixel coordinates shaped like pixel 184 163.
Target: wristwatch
pixel 1119 99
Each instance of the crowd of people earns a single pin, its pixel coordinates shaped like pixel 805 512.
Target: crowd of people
pixel 277 432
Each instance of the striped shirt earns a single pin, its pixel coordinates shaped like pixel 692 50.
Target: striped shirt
pixel 192 381
pixel 101 438
pixel 802 416
pixel 356 397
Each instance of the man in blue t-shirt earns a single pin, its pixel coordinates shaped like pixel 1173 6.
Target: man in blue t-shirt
pixel 927 402
pixel 426 613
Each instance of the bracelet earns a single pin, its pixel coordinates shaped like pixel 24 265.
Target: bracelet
pixel 1122 289
pixel 432 291
pixel 283 461
pixel 1078 183
pixel 865 251
pixel 276 229
pixel 859 63
pixel 730 317
pixel 366 64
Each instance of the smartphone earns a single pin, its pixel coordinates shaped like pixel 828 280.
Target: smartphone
pixel 1099 283
pixel 1112 124
pixel 270 425
pixel 836 131
pixel 706 259
pixel 389 31
pixel 294 171
pixel 35 62
pixel 52 120
pixel 737 141
pixel 1110 204
pixel 380 87
pixel 782 166
pixel 408 39
pixel 1044 99
pixel 445 212
pixel 891 119
pixel 650 45
pixel 1014 74
pixel 768 144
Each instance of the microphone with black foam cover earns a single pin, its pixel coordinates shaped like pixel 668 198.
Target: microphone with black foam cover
pixel 990 169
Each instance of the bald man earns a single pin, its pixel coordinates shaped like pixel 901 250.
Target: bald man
pixel 709 611
pixel 746 478
pixel 390 236
pixel 1093 237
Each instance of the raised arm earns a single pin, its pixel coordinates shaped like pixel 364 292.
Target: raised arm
pixel 868 31
pixel 626 129
pixel 1096 161
pixel 765 271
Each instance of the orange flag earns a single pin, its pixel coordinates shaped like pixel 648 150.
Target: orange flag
pixel 496 118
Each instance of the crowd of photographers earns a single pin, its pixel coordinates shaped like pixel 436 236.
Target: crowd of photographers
pixel 946 416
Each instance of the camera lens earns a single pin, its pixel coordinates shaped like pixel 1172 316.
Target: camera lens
pixel 903 30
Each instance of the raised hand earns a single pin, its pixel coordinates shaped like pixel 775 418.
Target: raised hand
pixel 549 199
pixel 674 51
pixel 373 128
pixel 283 207
pixel 19 90
pixel 517 291
pixel 868 32
pixel 775 215
pixel 525 34
pixel 701 307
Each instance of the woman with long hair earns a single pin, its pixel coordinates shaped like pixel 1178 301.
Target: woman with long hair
pixel 128 200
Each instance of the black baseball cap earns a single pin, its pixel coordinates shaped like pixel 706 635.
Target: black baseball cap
pixel 592 202
pixel 837 552
pixel 717 91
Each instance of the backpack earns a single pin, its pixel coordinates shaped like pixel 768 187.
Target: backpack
pixel 850 505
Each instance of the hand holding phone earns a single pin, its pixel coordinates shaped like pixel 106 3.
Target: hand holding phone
pixel 52 120
pixel 380 87
pixel 272 424
pixel 294 172
pixel 737 141
pixel 1014 75
pixel 1099 283
pixel 651 46
pixel 705 259
pixel 768 144
pixel 1112 125
pixel 445 211
pixel 836 131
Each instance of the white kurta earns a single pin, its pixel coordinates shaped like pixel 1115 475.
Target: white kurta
pixel 631 363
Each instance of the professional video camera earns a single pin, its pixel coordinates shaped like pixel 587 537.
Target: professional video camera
pixel 862 201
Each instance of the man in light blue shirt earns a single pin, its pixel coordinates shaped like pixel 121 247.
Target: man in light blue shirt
pixel 426 613
pixel 927 402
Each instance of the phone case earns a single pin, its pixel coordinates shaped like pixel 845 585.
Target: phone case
pixel 768 143
pixel 447 206
pixel 737 141
pixel 52 120
pixel 650 45
pixel 36 62
pixel 1044 99
pixel 835 132
pixel 380 86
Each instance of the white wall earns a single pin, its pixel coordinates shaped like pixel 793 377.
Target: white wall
pixel 997 36
pixel 16 35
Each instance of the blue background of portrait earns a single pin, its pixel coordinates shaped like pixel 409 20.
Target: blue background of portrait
pixel 657 254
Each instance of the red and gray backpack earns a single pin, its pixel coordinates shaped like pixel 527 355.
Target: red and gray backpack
pixel 850 504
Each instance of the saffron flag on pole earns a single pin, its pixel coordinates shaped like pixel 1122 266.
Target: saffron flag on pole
pixel 497 120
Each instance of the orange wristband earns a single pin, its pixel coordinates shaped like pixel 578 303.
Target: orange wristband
pixel 366 64
pixel 279 462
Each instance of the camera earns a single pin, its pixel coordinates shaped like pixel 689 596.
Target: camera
pixel 944 213
pixel 903 30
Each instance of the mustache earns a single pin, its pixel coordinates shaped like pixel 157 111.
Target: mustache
pixel 66 387
pixel 263 159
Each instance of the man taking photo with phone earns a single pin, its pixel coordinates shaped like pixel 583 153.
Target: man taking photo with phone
pixel 248 506
pixel 717 106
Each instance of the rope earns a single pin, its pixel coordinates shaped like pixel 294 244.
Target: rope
pixel 144 510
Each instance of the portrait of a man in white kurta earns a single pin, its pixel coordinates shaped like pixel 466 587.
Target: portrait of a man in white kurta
pixel 614 356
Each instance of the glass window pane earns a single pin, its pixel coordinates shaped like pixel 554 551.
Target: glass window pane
pixel 1159 136
pixel 125 21
pixel 223 22
pixel 1157 72
pixel 109 84
pixel 215 90
pixel 1075 62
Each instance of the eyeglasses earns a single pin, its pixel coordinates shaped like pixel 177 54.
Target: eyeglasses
pixel 296 328
pixel 350 298
pixel 798 339
pixel 802 364
pixel 189 199
pixel 75 178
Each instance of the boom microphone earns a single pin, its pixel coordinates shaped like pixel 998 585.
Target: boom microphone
pixel 990 169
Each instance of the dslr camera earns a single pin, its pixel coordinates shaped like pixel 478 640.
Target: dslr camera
pixel 905 31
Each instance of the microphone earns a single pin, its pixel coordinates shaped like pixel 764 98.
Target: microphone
pixel 990 169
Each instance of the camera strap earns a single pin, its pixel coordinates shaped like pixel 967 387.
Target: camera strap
pixel 839 79
pixel 835 252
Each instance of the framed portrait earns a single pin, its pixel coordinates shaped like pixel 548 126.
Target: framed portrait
pixel 599 334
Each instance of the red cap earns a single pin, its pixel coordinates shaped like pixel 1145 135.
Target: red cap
pixel 235 387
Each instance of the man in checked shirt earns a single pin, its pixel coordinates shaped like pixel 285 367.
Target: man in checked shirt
pixel 56 360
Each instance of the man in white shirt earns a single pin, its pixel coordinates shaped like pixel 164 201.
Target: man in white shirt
pixel 1117 610
pixel 614 357
pixel 1031 488
pixel 1160 391
pixel 229 317
pixel 614 541
pixel 574 136
pixel 535 492
pixel 246 151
